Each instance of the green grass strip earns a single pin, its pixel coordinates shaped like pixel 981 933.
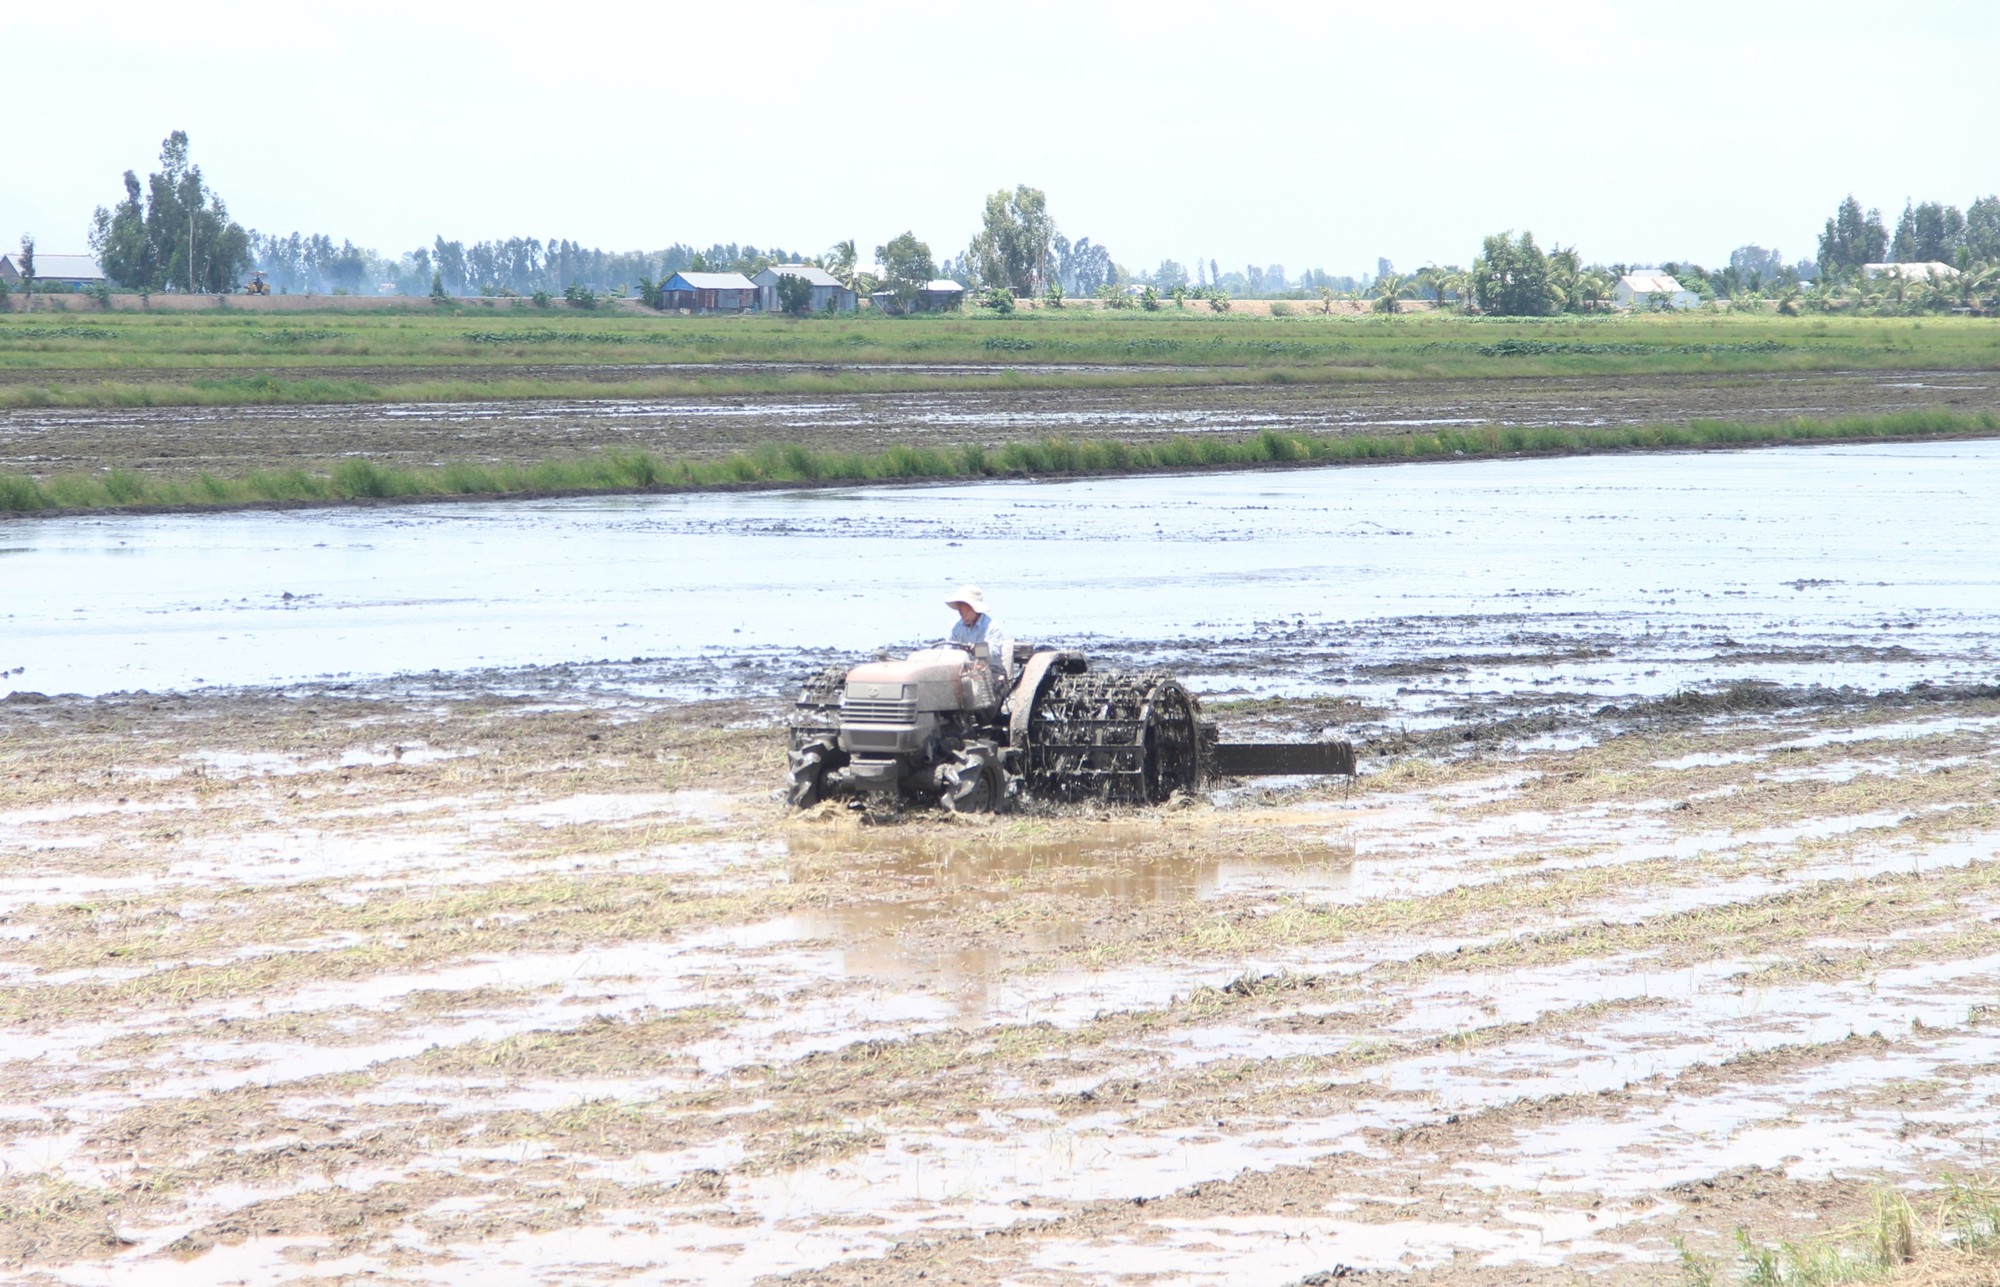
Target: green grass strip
pixel 777 464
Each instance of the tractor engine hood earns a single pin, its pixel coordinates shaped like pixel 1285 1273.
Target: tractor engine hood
pixel 936 679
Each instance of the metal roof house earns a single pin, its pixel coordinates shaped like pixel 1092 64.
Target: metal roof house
pixel 709 293
pixel 1637 290
pixel 827 291
pixel 68 272
pixel 1913 271
pixel 937 295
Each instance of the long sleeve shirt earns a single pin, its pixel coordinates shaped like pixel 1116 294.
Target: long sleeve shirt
pixel 974 633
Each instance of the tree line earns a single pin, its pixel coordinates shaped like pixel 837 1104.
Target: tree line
pixel 174 233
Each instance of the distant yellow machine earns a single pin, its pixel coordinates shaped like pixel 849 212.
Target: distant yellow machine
pixel 257 285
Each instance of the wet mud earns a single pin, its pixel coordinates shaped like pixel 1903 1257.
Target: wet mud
pixel 525 976
pixel 230 441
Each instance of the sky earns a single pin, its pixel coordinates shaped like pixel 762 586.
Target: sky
pixel 1313 135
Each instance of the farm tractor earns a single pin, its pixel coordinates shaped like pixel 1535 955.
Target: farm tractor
pixel 257 285
pixel 977 731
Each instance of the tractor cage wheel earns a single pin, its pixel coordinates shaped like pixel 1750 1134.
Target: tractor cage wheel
pixel 1134 738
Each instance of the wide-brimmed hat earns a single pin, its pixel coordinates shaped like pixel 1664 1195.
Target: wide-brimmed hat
pixel 969 595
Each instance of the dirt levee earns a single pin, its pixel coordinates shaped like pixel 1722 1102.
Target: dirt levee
pixel 237 440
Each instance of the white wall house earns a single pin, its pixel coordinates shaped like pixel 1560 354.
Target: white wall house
pixel 1636 290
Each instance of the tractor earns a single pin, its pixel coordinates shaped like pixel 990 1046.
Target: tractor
pixel 978 730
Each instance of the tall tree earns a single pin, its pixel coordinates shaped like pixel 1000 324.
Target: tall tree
pixel 907 262
pixel 1015 240
pixel 1928 232
pixel 1982 231
pixel 180 238
pixel 26 267
pixel 1852 239
pixel 1511 278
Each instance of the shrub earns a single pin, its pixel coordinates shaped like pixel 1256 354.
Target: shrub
pixel 1279 308
pixel 577 295
pixel 1150 301
pixel 1219 300
pixel 999 299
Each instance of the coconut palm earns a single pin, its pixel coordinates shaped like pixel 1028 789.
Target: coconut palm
pixel 1593 288
pixel 1390 290
pixel 840 261
pixel 1435 280
pixel 1973 281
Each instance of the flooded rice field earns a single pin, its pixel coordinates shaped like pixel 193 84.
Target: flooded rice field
pixel 230 441
pixel 324 986
pixel 433 919
pixel 1423 590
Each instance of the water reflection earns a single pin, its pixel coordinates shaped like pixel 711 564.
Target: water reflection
pixel 934 881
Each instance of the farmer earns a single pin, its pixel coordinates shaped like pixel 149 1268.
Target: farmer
pixel 974 627
pixel 973 620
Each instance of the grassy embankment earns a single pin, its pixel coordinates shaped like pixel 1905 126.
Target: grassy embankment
pixel 236 359
pixel 223 359
pixel 780 465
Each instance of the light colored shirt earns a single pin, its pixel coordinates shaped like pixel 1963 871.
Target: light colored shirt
pixel 974 633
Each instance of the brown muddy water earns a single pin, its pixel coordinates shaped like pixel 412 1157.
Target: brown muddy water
pixel 325 985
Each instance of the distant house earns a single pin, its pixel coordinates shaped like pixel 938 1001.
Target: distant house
pixel 827 292
pixel 709 293
pixel 1923 271
pixel 1638 290
pixel 940 294
pixel 937 296
pixel 69 272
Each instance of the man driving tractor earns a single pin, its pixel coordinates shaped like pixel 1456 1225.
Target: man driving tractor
pixel 973 620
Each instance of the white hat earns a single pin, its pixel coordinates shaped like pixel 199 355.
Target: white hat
pixel 969 595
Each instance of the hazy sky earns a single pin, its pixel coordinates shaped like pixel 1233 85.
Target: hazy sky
pixel 1307 134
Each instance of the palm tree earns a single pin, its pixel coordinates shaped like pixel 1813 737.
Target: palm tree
pixel 1390 289
pixel 1592 289
pixel 1974 279
pixel 840 261
pixel 1435 280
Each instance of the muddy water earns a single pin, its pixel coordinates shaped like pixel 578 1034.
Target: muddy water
pixel 1606 576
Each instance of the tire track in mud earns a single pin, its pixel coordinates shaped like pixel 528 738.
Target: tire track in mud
pixel 1526 1009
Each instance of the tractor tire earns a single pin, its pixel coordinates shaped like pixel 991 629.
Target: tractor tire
pixel 810 764
pixel 973 785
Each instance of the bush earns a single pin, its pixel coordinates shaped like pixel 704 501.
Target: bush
pixel 1150 301
pixel 1279 308
pixel 437 289
pixel 579 296
pixel 999 299
pixel 1219 300
pixel 542 300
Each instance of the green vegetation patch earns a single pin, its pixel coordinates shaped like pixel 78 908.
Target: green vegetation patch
pixel 58 333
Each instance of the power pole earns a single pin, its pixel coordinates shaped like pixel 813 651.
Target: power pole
pixel 190 252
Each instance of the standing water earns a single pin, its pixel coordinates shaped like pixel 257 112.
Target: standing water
pixel 1866 564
